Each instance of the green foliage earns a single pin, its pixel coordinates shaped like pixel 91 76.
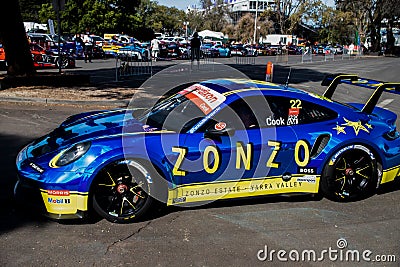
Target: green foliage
pixel 30 9
pixel 95 16
pixel 142 17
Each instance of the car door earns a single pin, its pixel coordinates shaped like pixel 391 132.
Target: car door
pixel 242 141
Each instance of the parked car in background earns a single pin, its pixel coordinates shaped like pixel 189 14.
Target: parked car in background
pixel 294 50
pixel 251 50
pixel 134 51
pixel 98 41
pixel 223 51
pixel 319 49
pixel 238 50
pixel 264 50
pixel 208 50
pixel 49 58
pixel 42 39
pixel 338 49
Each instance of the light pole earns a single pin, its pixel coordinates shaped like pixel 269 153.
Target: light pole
pixel 255 23
pixel 186 24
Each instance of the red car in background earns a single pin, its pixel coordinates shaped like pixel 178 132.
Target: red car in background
pixel 42 58
pixel 2 57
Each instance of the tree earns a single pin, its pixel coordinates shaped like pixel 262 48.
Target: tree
pixel 13 38
pixel 216 15
pixel 244 30
pixel 287 14
pixel 96 16
pixel 30 9
pixel 369 15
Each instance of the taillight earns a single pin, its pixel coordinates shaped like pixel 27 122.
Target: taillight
pixel 391 135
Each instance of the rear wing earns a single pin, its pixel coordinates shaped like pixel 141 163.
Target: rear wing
pixel 333 80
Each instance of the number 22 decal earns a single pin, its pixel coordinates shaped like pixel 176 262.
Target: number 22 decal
pixel 295 103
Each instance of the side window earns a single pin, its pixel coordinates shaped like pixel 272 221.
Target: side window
pixel 290 111
pixel 315 113
pixel 247 113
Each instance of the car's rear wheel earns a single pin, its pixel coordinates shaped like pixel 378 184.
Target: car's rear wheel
pixel 351 174
pixel 121 192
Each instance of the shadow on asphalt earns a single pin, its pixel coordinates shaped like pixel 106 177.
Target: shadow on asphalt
pixel 103 79
pixel 10 216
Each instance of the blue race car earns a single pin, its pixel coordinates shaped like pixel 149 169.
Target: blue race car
pixel 216 139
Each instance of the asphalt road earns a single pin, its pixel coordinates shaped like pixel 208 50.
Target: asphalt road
pixel 226 233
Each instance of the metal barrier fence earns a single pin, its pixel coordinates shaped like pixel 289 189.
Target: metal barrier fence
pixel 282 57
pixel 245 60
pixel 307 56
pixel 128 64
pixel 329 56
pixel 206 61
pixel 346 53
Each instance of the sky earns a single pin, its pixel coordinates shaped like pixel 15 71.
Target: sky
pixel 180 4
pixel 183 4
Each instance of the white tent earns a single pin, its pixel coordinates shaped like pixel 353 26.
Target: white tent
pixel 210 34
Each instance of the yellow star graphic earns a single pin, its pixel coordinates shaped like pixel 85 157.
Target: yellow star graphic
pixel 339 129
pixel 369 126
pixel 357 126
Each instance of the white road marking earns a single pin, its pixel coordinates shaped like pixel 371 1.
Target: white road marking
pixel 385 103
pixel 18 119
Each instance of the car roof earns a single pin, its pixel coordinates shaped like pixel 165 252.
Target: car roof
pixel 238 86
pixel 234 89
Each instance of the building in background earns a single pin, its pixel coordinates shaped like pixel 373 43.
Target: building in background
pixel 240 8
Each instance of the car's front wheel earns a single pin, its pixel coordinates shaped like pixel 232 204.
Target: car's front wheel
pixel 121 192
pixel 351 174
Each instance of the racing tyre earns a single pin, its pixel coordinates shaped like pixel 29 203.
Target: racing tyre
pixel 352 173
pixel 64 62
pixel 121 192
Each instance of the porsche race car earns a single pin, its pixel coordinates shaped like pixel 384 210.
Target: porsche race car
pixel 216 139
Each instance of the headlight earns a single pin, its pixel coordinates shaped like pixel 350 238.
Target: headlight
pixel 70 155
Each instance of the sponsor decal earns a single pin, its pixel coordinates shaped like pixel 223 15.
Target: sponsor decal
pixel 58 192
pixel 220 126
pixel 58 200
pixel 179 200
pixel 275 122
pixel 36 167
pixel 293 120
pixel 241 188
pixel 307 170
pixel 203 97
pixel 200 123
pixel 244 155
pixel 286 177
pixel 147 128
pixel 294 111
pixel 307 179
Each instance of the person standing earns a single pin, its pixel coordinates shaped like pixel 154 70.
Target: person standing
pixel 79 45
pixel 195 44
pixel 88 41
pixel 155 48
pixel 351 49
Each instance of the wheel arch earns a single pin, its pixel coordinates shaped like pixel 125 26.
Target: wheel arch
pixel 374 149
pixel 366 188
pixel 107 160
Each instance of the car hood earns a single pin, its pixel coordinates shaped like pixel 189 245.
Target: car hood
pixel 87 127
